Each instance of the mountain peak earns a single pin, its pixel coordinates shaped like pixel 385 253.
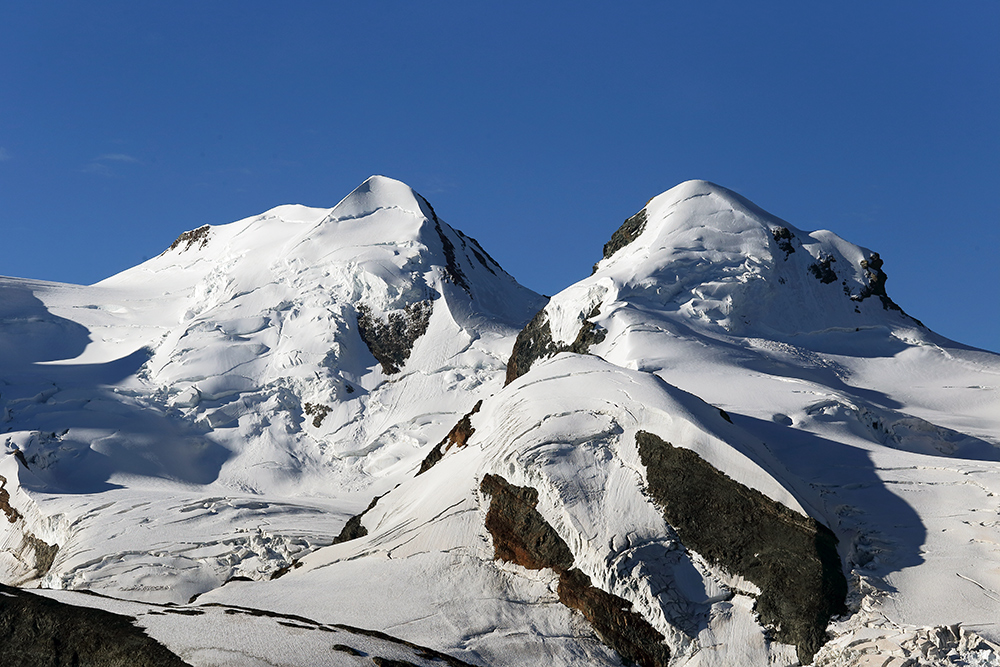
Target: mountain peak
pixel 381 192
pixel 710 255
pixel 697 206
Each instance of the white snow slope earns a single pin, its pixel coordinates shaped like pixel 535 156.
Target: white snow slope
pixel 214 415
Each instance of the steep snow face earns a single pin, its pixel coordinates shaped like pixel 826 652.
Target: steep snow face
pixel 305 352
pixel 267 328
pixel 568 431
pixel 293 311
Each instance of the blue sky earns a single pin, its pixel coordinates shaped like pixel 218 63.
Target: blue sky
pixel 535 127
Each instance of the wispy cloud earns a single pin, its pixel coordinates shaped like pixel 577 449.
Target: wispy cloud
pixel 97 168
pixel 5 155
pixel 436 184
pixel 117 157
pixel 101 165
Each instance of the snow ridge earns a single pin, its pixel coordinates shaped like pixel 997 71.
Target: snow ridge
pixel 207 429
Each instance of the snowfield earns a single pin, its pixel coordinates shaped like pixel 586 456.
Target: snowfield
pixel 726 446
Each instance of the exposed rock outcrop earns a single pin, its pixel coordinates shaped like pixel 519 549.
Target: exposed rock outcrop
pixel 458 435
pixel 45 554
pixel 612 618
pixel 317 411
pixel 479 252
pixel 535 342
pixel 420 651
pixel 588 336
pixel 876 283
pixel 783 237
pixel 792 559
pixel 522 536
pixel 11 512
pixel 452 270
pixel 628 232
pixel 35 555
pixel 822 269
pixel 392 341
pixel 389 662
pixel 195 237
pixel 40 632
pixel 353 529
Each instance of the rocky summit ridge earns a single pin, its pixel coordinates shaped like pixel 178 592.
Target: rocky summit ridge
pixel 349 427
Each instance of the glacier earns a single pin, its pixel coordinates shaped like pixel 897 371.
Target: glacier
pixel 189 440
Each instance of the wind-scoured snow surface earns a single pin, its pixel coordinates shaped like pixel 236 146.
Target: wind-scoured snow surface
pixel 198 431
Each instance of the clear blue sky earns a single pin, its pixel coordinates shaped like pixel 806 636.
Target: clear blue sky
pixel 535 127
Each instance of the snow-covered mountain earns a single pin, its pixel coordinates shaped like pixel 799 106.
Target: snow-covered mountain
pixel 307 353
pixel 726 446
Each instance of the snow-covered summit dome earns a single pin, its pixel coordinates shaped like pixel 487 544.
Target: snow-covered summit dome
pixel 379 192
pixel 703 251
pixel 702 257
pixel 383 230
pixel 319 307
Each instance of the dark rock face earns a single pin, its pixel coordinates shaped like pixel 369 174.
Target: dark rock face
pixel 419 651
pixel 12 514
pixel 783 237
pixel 195 237
pixel 39 632
pixel 44 553
pixel 279 573
pixel 388 662
pixel 612 617
pixel 391 342
pixel 876 283
pixel 823 271
pixel 628 232
pixel 433 457
pixel 452 270
pixel 791 558
pixel 480 253
pixel 317 411
pixel 353 529
pixel 588 336
pixel 521 535
pixel 458 435
pixel 535 342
